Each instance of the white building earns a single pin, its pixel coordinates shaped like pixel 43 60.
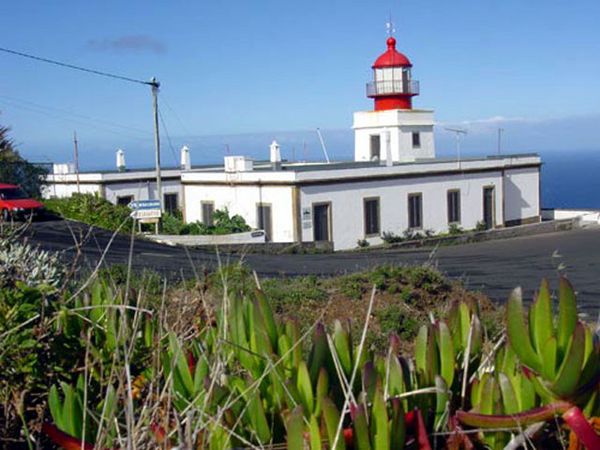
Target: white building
pixel 121 185
pixel 395 182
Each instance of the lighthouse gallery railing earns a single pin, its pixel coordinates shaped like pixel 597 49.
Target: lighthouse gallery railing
pixel 387 87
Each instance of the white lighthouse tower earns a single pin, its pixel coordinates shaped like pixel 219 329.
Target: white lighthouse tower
pixel 410 130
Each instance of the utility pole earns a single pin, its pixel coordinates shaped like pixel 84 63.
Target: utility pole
pixel 76 151
pixel 155 85
pixel 500 131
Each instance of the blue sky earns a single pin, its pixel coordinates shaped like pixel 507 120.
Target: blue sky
pixel 239 73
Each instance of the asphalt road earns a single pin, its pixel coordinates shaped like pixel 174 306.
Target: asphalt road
pixel 495 267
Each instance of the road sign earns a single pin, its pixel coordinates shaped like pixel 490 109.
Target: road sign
pixel 144 214
pixel 145 209
pixel 144 204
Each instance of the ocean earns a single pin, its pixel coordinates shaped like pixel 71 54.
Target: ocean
pixel 571 179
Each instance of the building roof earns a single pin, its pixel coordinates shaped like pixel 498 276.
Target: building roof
pixel 7 186
pixel 346 171
pixel 391 57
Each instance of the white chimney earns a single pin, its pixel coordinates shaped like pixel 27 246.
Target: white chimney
pixel 275 155
pixel 387 139
pixel 120 160
pixel 186 163
pixel 275 152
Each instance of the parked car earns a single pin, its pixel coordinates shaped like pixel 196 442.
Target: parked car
pixel 15 203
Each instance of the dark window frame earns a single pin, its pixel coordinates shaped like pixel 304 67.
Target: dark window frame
pixel 492 188
pixel 369 230
pixel 413 223
pixel 260 218
pixel 169 209
pixel 122 198
pixel 416 139
pixel 209 222
pixel 454 217
pixel 374 138
pixel 329 206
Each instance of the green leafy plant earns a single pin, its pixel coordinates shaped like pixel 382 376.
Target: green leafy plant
pixel 93 210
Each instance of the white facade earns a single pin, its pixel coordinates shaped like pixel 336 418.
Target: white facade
pixel 115 186
pixel 411 135
pixel 293 192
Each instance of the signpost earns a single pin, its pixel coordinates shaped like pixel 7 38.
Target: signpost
pixel 146 211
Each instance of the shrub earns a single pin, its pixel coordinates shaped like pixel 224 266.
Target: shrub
pixel 93 210
pixel 31 266
pixel 481 226
pixel 393 319
pixel 389 237
pixel 362 243
pixel 455 229
pixel 223 224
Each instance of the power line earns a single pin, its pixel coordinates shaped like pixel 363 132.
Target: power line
pixel 173 152
pixel 82 69
pixel 15 101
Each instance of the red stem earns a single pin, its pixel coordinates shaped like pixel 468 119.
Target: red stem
pixel 582 428
pixel 523 418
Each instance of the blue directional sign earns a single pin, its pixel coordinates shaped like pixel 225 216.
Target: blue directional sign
pixel 144 204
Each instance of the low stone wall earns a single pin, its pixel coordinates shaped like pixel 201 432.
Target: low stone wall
pixel 277 248
pixel 188 240
pixel 248 242
pixel 585 215
pixel 498 233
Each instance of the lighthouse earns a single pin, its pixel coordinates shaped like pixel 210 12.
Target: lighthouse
pixel 393 129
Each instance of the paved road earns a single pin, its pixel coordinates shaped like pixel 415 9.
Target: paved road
pixel 494 267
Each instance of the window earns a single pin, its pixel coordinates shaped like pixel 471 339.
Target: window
pixel 416 139
pixel 375 147
pixel 415 210
pixel 263 214
pixel 371 213
pixel 170 203
pixel 453 206
pixel 124 200
pixel 208 209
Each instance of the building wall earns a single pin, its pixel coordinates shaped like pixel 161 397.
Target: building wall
pixel 66 190
pixel 347 204
pixel 243 200
pixel 522 194
pixel 401 124
pixel 142 190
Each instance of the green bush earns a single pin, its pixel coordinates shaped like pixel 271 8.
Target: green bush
pixel 223 223
pixel 93 210
pixel 455 229
pixel 393 319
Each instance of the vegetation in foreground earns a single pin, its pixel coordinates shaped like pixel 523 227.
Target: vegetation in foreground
pixel 233 362
pixel 96 211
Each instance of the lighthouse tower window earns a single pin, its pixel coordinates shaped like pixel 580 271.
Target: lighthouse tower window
pixel 416 139
pixel 375 147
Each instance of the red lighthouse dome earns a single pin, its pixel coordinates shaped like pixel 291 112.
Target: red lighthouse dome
pixel 392 86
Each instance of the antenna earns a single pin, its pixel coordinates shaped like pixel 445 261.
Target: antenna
pixel 323 145
pixel 389 26
pixel 458 132
pixel 500 131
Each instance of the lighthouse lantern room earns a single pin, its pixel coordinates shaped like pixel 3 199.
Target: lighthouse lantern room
pixel 393 129
pixel 392 86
